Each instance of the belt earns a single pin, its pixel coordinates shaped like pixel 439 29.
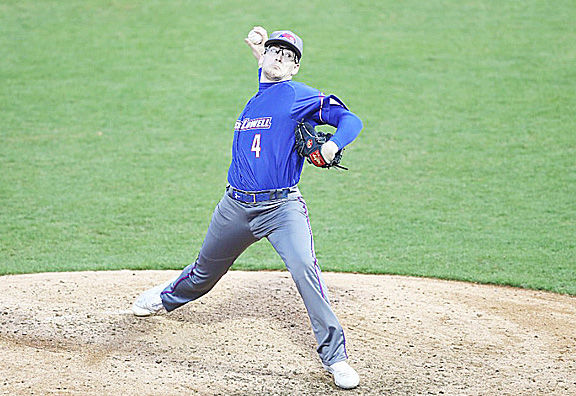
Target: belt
pixel 258 196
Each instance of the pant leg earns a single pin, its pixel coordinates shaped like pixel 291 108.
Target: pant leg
pixel 293 241
pixel 227 237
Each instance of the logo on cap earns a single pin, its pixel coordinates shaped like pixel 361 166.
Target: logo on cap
pixel 288 37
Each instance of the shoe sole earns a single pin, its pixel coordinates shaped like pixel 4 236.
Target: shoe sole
pixel 141 312
pixel 329 369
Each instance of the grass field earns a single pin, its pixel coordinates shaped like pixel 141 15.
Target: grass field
pixel 116 119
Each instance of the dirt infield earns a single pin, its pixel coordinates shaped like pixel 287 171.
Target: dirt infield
pixel 72 333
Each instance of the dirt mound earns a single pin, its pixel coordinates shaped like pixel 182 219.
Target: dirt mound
pixel 73 333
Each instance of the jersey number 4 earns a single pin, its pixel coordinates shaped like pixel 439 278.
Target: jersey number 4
pixel 256 145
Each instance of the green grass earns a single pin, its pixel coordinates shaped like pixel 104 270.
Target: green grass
pixel 116 119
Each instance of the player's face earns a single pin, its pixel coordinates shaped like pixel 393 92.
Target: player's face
pixel 279 63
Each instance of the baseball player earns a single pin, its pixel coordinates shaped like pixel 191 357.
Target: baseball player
pixel 262 199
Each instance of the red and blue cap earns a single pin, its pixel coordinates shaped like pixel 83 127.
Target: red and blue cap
pixel 287 39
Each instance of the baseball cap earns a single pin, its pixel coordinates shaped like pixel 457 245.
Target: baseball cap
pixel 288 39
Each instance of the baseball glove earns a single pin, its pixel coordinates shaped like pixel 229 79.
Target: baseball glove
pixel 309 143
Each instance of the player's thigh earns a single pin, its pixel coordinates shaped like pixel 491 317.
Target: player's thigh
pixel 292 236
pixel 228 234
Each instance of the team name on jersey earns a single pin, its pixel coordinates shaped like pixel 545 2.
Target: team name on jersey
pixel 256 123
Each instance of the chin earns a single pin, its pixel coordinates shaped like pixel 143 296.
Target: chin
pixel 274 75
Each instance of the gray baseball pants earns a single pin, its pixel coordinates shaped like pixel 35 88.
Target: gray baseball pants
pixel 285 223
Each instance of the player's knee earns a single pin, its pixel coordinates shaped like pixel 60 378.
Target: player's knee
pixel 303 269
pixel 204 284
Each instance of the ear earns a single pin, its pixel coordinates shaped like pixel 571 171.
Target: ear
pixel 295 69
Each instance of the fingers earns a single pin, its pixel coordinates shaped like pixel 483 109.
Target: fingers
pixel 256 50
pixel 250 44
pixel 253 34
pixel 262 32
pixel 329 150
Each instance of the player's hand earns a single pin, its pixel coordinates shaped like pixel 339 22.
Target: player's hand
pixel 257 49
pixel 329 150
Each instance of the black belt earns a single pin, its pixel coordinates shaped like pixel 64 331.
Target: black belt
pixel 258 196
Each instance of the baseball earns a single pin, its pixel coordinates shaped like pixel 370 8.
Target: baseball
pixel 255 38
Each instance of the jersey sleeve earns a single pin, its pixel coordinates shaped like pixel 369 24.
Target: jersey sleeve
pixel 307 102
pixel 334 112
pixel 319 109
pixel 330 104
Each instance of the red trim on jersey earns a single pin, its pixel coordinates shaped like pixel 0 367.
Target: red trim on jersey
pixel 321 95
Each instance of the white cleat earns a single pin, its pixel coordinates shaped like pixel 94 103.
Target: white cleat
pixel 149 303
pixel 345 376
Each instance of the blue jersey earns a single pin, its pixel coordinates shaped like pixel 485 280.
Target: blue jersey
pixel 263 153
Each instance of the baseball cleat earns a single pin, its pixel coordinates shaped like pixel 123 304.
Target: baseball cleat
pixel 345 376
pixel 149 302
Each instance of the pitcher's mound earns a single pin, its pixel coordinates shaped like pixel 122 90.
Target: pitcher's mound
pixel 73 333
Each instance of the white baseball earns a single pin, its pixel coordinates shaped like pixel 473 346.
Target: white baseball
pixel 255 38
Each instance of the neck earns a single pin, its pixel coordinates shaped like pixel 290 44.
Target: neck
pixel 263 79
